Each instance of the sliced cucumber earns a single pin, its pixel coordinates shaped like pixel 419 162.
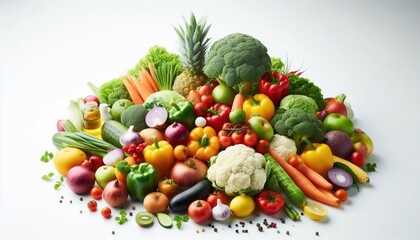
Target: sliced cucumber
pixel 144 219
pixel 165 220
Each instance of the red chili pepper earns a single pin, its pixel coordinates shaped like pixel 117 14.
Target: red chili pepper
pixel 275 86
pixel 218 115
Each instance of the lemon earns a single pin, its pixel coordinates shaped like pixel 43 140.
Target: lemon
pixel 315 211
pixel 242 205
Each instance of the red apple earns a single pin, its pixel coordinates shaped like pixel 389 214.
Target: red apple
pixel 95 162
pixel 91 98
pixel 361 148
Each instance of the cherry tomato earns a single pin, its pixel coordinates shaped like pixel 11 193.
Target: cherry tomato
pixel 86 164
pixel 270 202
pixel 263 146
pixel 212 198
pixel 213 83
pixel 237 137
pixel 341 194
pixel 199 211
pixel 250 139
pixel 96 193
pixel 223 133
pixel 92 205
pixel 168 187
pixel 200 109
pixel 358 159
pixel 180 152
pixel 106 212
pixel 208 99
pixel 225 141
pixel 205 90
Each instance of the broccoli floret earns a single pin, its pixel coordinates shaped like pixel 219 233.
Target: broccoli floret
pixel 113 90
pixel 237 59
pixel 157 55
pixel 302 86
pixel 298 124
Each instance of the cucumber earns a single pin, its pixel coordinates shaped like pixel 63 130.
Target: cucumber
pixel 111 132
pixel 164 220
pixel 293 192
pixel 180 202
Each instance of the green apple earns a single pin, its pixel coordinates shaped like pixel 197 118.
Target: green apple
pixel 335 121
pixel 237 116
pixel 104 175
pixel 360 136
pixel 223 94
pixel 118 108
pixel 261 127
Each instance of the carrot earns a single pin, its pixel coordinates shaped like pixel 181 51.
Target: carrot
pixel 303 183
pixel 142 89
pixel 134 94
pixel 238 101
pixel 329 193
pixel 313 176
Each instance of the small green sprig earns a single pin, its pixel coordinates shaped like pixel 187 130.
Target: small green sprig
pixel 122 218
pixel 47 156
pixel 48 177
pixel 179 219
pixel 370 167
pixel 59 183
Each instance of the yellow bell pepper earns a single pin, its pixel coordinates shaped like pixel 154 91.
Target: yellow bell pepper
pixel 161 156
pixel 259 105
pixel 318 157
pixel 203 143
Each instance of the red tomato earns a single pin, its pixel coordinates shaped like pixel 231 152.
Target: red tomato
pixel 270 202
pixel 200 109
pixel 341 194
pixel 250 139
pixel 225 141
pixel 86 164
pixel 106 212
pixel 92 205
pixel 96 193
pixel 237 137
pixel 208 99
pixel 199 211
pixel 263 146
pixel 205 90
pixel 212 198
pixel 358 159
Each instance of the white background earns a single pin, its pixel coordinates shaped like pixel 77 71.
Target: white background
pixel 369 50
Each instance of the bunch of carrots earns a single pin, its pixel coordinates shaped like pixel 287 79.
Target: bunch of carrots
pixel 141 89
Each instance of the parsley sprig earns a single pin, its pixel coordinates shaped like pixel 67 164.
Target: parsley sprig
pixel 47 156
pixel 122 218
pixel 371 167
pixel 59 183
pixel 48 177
pixel 179 219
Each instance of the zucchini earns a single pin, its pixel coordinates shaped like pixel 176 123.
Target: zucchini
pixel 111 132
pixel 289 187
pixel 180 202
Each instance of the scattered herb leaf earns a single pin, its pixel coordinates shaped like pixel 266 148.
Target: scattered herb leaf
pixel 47 156
pixel 47 177
pixel 371 167
pixel 122 218
pixel 179 219
pixel 59 183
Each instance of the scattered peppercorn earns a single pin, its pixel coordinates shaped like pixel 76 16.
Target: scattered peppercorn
pixel 81 211
pixel 81 199
pixel 237 231
pixel 236 225
pixel 282 220
pixel 215 230
pixel 260 229
pixel 250 222
pixel 62 197
pixel 229 226
pixel 287 232
pixel 278 231
pixel 197 231
pixel 130 213
pixel 71 201
pixel 317 233
pixel 113 232
pixel 133 207
pixel 301 213
pixel 203 230
pixel 61 201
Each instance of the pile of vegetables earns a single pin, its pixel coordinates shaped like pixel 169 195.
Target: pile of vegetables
pixel 255 136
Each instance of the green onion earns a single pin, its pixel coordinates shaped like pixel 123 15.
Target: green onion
pixel 165 76
pixel 82 141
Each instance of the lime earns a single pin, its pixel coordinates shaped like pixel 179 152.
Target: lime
pixel 315 211
pixel 237 116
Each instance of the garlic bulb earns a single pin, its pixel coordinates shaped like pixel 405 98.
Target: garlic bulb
pixel 221 211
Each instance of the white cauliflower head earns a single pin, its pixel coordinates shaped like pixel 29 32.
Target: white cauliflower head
pixel 283 145
pixel 237 169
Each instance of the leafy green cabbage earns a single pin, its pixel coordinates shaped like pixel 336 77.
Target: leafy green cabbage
pixel 165 98
pixel 302 102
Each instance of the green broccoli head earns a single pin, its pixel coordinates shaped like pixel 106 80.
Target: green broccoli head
pixel 298 124
pixel 302 86
pixel 237 58
pixel 113 90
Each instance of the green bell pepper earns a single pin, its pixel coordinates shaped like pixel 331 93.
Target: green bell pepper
pixel 142 180
pixel 183 112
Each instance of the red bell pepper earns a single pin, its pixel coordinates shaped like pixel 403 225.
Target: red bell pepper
pixel 275 86
pixel 217 115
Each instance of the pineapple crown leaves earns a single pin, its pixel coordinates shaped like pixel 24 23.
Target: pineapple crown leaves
pixel 193 43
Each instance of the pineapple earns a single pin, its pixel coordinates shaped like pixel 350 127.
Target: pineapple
pixel 193 45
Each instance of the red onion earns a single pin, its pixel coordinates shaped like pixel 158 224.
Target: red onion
pixel 339 178
pixel 130 137
pixel 156 117
pixel 80 179
pixel 113 156
pixel 189 172
pixel 177 134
